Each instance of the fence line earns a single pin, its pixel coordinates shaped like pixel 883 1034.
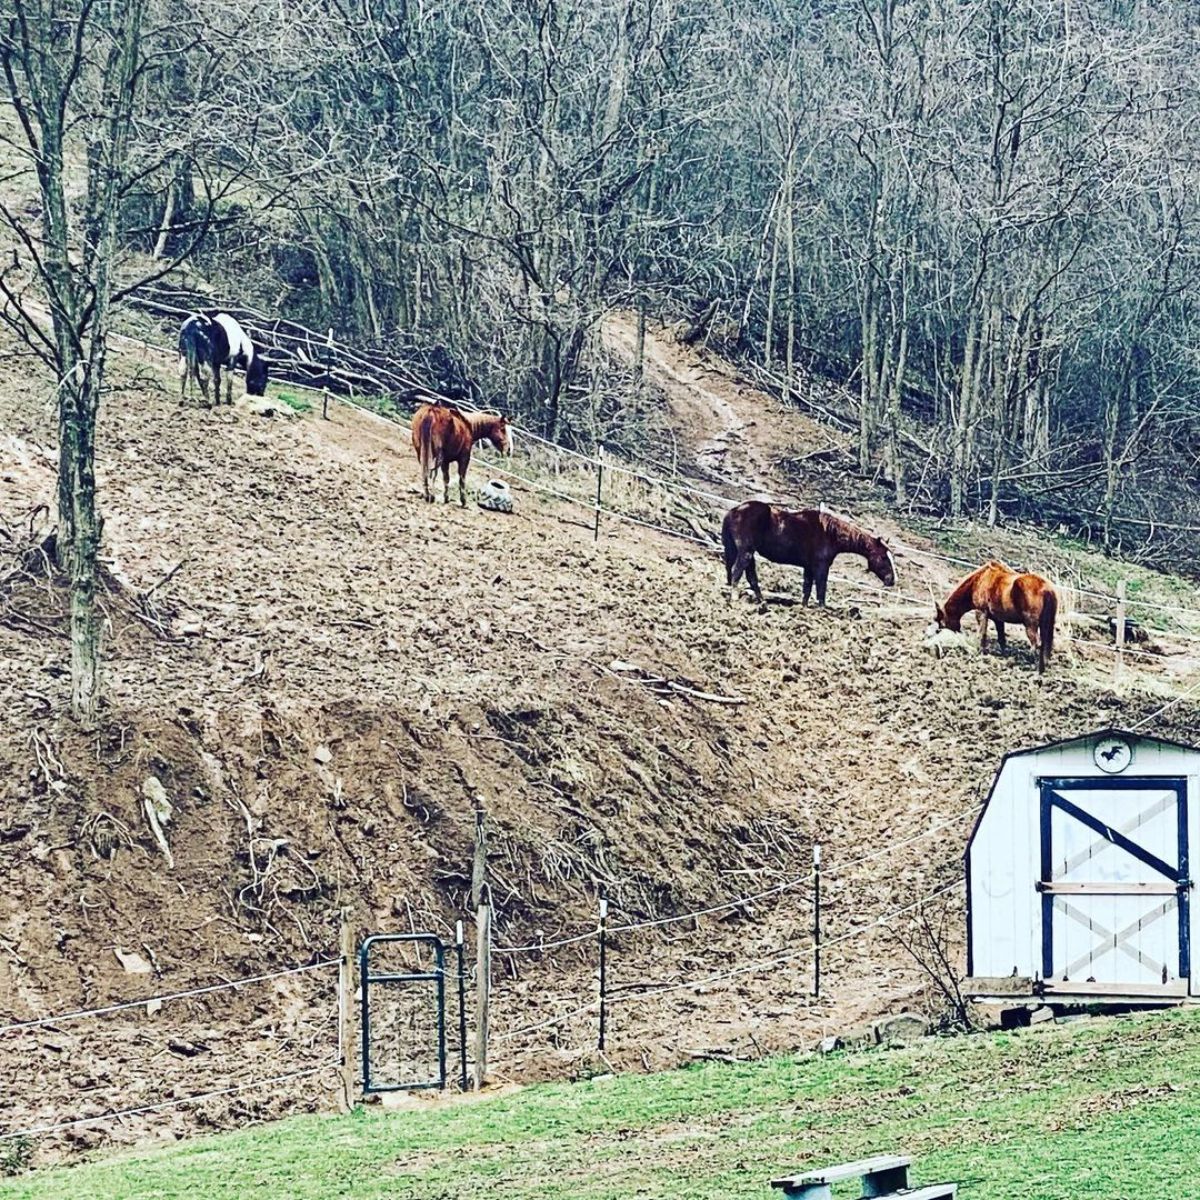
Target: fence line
pixel 740 902
pixel 164 1104
pixel 747 969
pixel 40 1022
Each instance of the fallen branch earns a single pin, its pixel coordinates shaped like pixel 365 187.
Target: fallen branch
pixel 660 685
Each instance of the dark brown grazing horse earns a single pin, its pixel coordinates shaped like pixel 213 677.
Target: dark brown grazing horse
pixel 799 538
pixel 442 434
pixel 1001 594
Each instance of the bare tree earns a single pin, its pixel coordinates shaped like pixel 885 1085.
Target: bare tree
pixel 78 77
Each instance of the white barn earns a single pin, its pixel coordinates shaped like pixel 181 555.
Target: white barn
pixel 1078 877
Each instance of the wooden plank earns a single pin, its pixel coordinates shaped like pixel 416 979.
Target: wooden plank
pixel 865 1166
pixel 1157 888
pixel 1117 991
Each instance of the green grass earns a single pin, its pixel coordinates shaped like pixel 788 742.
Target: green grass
pixel 295 403
pixel 1104 1110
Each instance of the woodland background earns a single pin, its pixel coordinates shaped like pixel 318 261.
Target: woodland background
pixel 980 218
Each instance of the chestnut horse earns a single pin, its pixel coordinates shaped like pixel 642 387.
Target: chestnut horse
pixel 442 435
pixel 799 538
pixel 1001 594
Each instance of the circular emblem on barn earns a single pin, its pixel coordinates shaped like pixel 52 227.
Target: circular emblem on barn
pixel 1112 755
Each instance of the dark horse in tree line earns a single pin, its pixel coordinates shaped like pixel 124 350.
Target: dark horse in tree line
pixel 442 434
pixel 211 342
pixel 805 538
pixel 999 594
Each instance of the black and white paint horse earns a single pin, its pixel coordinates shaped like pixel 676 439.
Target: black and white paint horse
pixel 211 341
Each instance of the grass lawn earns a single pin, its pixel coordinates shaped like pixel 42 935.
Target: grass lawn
pixel 1106 1110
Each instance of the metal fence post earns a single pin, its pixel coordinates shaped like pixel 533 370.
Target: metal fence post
pixel 1119 656
pixel 462 1003
pixel 345 1019
pixel 816 930
pixel 599 486
pixel 603 934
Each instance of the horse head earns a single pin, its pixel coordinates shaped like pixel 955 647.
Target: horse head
pixel 880 562
pixel 942 621
pixel 256 376
pixel 501 436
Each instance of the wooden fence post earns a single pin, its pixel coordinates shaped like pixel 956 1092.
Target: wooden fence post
pixel 483 947
pixel 599 486
pixel 345 1010
pixel 1119 656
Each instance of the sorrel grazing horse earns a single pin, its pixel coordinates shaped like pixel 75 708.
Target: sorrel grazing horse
pixel 1000 594
pixel 442 434
pixel 211 341
pixel 797 537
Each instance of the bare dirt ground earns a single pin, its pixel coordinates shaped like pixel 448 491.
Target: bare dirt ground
pixel 336 671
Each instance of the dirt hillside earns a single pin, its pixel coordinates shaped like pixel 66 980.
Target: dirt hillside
pixel 324 674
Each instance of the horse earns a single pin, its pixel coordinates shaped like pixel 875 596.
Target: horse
pixel 805 538
pixel 443 434
pixel 1001 594
pixel 210 341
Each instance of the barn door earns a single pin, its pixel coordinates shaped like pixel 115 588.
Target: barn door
pixel 1115 884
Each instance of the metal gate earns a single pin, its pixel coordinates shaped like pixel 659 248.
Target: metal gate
pixel 403 983
pixel 1115 883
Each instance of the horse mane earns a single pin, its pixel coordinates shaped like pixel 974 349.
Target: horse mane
pixel 851 537
pixel 479 420
pixel 959 602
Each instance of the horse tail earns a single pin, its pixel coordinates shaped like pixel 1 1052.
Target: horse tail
pixel 188 354
pixel 1046 624
pixel 425 454
pixel 730 544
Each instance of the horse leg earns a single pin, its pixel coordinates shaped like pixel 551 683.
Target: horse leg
pixel 741 566
pixel 822 582
pixel 446 482
pixel 752 577
pixel 462 481
pixel 1001 637
pixel 1031 632
pixel 984 621
pixel 808 583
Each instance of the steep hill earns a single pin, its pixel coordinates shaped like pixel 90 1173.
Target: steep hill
pixel 324 673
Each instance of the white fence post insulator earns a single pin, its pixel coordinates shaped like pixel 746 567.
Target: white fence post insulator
pixel 1119 657
pixel 599 488
pixel 816 929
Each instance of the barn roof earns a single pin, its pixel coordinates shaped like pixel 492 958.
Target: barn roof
pixel 1104 731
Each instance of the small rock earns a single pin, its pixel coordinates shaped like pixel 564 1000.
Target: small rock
pixel 156 795
pixel 861 1037
pixel 902 1030
pixel 133 962
pixel 829 1045
pixel 153 1006
pixel 1045 1013
pixel 186 1049
pixel 322 754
